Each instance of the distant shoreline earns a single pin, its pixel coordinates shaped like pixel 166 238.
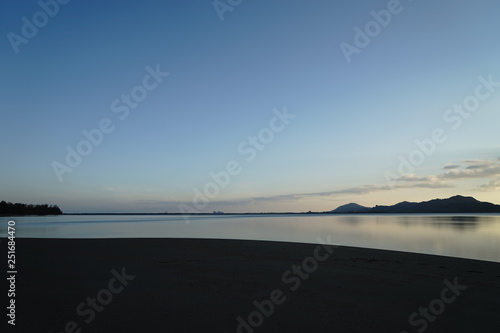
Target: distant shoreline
pixel 233 214
pixel 319 213
pixel 454 205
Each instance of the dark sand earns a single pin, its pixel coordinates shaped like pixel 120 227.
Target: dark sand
pixel 194 285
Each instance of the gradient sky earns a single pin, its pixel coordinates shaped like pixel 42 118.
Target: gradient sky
pixel 227 79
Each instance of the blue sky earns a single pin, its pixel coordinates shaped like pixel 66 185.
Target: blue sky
pixel 227 80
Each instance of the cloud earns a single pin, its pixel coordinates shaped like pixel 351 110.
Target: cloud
pixel 363 189
pixel 359 190
pixel 412 181
pixel 451 166
pixel 414 178
pixel 454 171
pixel 492 185
pixel 473 169
pixel 429 185
pixel 466 169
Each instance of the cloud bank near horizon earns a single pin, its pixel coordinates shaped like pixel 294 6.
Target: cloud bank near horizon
pixel 486 170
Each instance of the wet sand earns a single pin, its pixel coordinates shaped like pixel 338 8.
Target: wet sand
pixel 199 285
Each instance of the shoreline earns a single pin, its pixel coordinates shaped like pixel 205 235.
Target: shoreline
pixel 467 213
pixel 274 213
pixel 219 285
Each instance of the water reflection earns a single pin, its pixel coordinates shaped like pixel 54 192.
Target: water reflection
pixel 460 223
pixel 468 236
pixel 350 219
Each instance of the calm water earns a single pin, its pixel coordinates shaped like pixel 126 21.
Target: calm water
pixel 466 236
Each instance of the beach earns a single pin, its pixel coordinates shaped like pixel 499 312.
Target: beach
pixel 209 285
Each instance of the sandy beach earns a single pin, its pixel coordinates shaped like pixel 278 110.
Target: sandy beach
pixel 199 285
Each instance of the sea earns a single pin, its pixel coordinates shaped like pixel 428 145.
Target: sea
pixel 473 236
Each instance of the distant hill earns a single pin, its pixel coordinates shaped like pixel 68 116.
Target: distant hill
pixel 455 204
pixel 351 208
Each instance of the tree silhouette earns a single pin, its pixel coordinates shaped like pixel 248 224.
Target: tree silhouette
pixel 9 208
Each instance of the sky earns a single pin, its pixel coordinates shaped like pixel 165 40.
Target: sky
pixel 248 106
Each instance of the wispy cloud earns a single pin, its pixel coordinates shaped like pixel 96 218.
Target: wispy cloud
pixel 452 172
pixel 473 169
pixel 360 190
pixel 450 166
pixel 492 185
pixel 466 169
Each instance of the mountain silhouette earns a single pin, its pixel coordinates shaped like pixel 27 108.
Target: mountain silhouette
pixel 455 204
pixel 351 208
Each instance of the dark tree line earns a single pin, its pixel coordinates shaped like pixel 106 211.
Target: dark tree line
pixel 9 208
